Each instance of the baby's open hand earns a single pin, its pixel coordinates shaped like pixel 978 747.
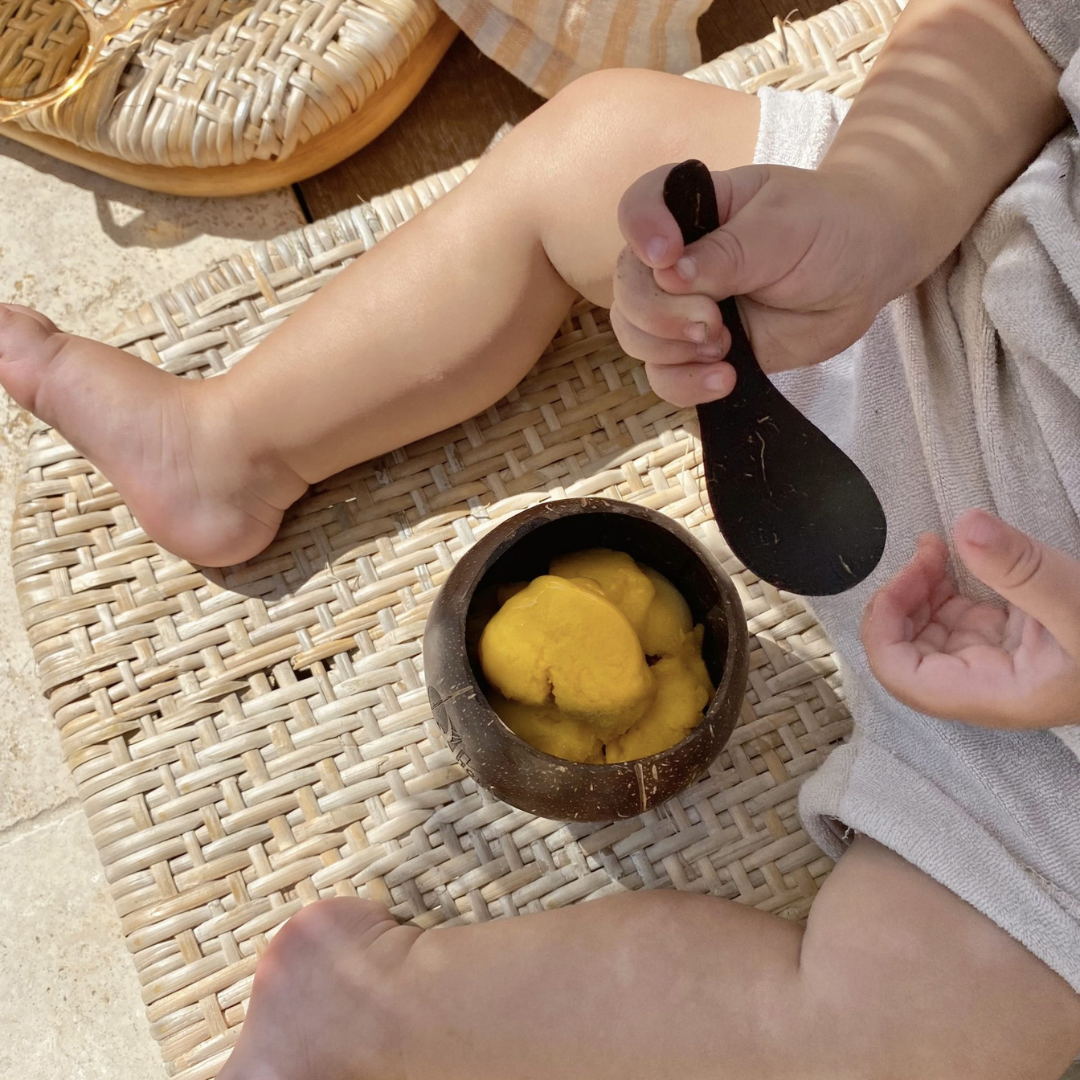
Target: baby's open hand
pixel 807 252
pixel 1011 666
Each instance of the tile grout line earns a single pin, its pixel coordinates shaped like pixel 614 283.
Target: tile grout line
pixel 43 819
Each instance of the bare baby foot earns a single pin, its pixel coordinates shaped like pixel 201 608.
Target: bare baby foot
pixel 326 1003
pixel 173 447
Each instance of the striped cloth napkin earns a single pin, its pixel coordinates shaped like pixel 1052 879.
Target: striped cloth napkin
pixel 549 43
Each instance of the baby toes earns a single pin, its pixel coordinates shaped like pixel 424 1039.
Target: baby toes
pixel 28 341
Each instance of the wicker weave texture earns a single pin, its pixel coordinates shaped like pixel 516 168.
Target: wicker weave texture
pixel 41 44
pixel 832 51
pixel 246 741
pixel 224 82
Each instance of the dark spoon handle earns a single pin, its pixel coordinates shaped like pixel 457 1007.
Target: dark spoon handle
pixel 689 195
pixel 791 504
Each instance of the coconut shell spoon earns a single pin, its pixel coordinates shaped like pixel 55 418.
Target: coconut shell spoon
pixel 793 507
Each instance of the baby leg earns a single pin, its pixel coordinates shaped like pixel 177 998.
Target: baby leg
pixel 433 325
pixel 893 978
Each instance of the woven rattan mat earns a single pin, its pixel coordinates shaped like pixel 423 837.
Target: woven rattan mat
pixel 246 741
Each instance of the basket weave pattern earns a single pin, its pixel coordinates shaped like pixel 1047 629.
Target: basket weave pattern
pixel 247 741
pixel 224 82
pixel 832 51
pixel 41 42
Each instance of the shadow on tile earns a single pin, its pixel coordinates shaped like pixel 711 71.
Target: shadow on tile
pixel 132 217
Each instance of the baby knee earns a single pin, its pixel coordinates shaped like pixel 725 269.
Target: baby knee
pixel 611 86
pixel 608 127
pixel 587 109
pixel 581 117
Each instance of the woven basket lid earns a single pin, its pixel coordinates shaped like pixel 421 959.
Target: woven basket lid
pixel 227 82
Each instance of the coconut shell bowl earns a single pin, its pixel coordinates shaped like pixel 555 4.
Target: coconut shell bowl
pixel 520 549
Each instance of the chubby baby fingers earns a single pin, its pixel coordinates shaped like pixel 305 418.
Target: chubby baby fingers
pixel 691 384
pixel 694 318
pixel 1040 580
pixel 663 350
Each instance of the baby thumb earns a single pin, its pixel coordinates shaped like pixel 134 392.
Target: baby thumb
pixel 647 224
pixel 742 254
pixel 1042 582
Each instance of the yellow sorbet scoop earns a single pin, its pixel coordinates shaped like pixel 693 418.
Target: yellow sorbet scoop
pixel 667 620
pixel 620 578
pixel 683 690
pixel 557 640
pixel 550 730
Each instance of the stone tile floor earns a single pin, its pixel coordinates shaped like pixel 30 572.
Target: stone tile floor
pixel 81 249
